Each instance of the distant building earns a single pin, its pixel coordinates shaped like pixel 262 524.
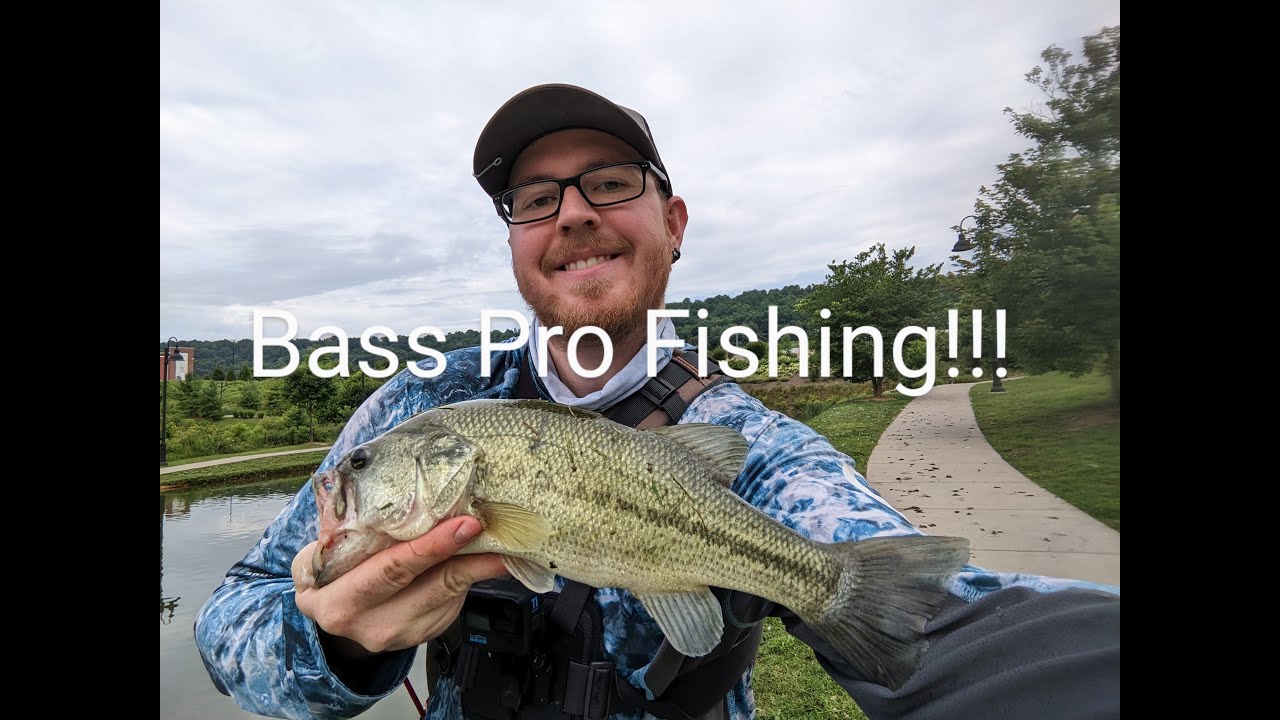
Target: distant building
pixel 182 362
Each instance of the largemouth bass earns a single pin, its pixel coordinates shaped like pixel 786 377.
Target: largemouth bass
pixel 564 491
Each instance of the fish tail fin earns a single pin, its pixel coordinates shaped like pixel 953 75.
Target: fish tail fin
pixel 888 589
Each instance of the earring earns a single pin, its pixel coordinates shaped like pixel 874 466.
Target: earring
pixel 675 255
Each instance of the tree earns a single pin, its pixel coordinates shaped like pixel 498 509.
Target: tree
pixel 874 290
pixel 245 373
pixel 197 398
pixel 210 404
pixel 356 389
pixel 187 392
pixel 249 397
pixel 218 374
pixel 309 392
pixel 274 403
pixel 1048 231
pixel 749 309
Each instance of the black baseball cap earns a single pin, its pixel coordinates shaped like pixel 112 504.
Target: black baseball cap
pixel 545 109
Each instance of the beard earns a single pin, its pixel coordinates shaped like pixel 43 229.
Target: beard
pixel 619 311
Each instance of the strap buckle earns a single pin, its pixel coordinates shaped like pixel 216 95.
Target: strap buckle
pixel 657 395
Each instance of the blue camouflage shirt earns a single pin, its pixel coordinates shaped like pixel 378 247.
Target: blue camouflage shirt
pixel 260 649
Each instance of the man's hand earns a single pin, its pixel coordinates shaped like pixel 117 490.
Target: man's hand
pixel 403 596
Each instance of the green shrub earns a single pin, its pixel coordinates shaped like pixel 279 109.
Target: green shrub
pixel 805 401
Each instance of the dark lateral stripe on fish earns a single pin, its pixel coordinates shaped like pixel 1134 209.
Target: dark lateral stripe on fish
pixel 727 539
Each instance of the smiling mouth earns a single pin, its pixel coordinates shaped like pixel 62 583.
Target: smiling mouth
pixel 589 262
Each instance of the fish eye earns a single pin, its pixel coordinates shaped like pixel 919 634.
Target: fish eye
pixel 359 458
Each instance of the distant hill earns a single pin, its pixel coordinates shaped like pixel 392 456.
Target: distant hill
pixel 232 354
pixel 750 308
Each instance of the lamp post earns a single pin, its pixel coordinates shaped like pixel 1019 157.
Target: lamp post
pixel 963 244
pixel 164 401
pixel 996 385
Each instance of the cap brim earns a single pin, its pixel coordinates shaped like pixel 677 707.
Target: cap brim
pixel 547 109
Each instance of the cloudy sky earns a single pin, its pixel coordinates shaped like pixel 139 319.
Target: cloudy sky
pixel 315 156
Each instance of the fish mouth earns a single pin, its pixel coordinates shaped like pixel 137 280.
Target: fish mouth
pixel 345 540
pixel 336 521
pixel 321 567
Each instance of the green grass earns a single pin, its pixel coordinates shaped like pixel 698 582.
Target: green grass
pixel 855 427
pixel 259 451
pixel 789 684
pixel 787 681
pixel 1062 433
pixel 248 471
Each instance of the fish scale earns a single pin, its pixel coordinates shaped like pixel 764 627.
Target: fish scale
pixel 662 527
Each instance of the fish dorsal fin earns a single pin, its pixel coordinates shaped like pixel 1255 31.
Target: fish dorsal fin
pixel 552 407
pixel 691 620
pixel 724 448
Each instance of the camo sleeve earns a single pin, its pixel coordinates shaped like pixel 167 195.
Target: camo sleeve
pixel 257 646
pixel 796 475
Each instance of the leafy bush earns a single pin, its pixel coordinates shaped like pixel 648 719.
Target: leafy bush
pixel 807 400
pixel 195 438
pixel 788 367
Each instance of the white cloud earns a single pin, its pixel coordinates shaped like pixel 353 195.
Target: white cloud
pixel 315 157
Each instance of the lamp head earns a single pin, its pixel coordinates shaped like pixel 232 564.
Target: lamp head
pixel 963 244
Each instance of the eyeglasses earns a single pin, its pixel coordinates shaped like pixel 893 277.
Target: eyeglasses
pixel 602 186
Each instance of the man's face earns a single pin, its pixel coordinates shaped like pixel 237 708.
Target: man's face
pixel 603 266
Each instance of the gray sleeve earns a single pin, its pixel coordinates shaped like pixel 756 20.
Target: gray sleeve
pixel 1016 653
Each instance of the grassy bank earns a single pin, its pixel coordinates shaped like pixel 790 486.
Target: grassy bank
pixel 855 427
pixel 1062 433
pixel 245 472
pixel 204 458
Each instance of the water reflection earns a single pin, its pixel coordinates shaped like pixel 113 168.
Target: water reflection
pixel 166 604
pixel 203 533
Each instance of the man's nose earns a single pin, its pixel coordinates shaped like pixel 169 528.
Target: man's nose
pixel 575 211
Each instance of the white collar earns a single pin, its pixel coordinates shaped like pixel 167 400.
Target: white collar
pixel 629 379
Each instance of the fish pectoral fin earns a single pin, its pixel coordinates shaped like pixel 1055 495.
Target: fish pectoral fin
pixel 691 620
pixel 530 574
pixel 516 528
pixel 723 447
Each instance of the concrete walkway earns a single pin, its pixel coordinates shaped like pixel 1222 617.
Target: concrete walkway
pixel 239 458
pixel 935 467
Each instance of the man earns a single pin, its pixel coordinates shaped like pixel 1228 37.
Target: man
pixel 594 230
